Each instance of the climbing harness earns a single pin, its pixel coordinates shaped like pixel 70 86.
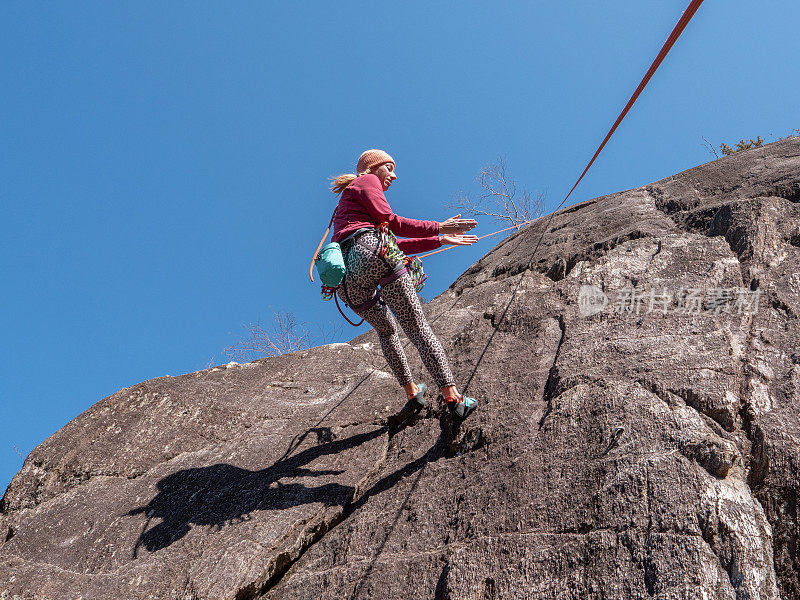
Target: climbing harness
pixel 330 266
pixel 397 272
pixel 391 252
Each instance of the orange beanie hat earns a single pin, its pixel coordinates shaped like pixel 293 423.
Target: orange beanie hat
pixel 371 159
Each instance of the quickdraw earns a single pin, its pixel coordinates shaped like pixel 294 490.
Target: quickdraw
pixel 389 248
pixel 418 277
pixel 391 252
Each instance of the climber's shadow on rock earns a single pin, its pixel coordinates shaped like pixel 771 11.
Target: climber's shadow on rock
pixel 221 493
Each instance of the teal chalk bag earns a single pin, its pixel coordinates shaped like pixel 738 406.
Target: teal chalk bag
pixel 330 265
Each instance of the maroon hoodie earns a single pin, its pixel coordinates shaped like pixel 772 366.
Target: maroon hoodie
pixel 363 204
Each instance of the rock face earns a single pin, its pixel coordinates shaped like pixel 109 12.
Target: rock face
pixel 638 436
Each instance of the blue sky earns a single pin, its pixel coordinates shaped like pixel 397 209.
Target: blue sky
pixel 164 166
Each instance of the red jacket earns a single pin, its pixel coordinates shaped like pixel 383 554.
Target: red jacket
pixel 362 204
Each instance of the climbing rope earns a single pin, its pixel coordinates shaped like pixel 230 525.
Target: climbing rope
pixel 517 226
pixel 673 37
pixel 676 32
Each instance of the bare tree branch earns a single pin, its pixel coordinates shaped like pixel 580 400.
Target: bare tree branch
pixel 710 147
pixel 499 198
pixel 285 334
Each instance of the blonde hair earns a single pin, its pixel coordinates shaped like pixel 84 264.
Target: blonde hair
pixel 340 183
pixel 368 160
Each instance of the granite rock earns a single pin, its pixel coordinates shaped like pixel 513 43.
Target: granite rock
pixel 638 434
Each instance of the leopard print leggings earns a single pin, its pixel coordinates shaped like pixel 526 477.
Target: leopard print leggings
pixel 365 267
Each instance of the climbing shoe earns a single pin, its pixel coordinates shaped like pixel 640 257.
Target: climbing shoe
pixel 418 399
pixel 461 406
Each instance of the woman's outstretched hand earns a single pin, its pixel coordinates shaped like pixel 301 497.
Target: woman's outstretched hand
pixel 458 240
pixel 456 226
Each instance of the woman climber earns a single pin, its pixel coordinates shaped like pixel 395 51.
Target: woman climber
pixel 357 221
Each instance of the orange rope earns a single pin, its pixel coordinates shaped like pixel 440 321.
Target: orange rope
pixel 311 266
pixel 322 241
pixel 673 37
pixel 517 226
